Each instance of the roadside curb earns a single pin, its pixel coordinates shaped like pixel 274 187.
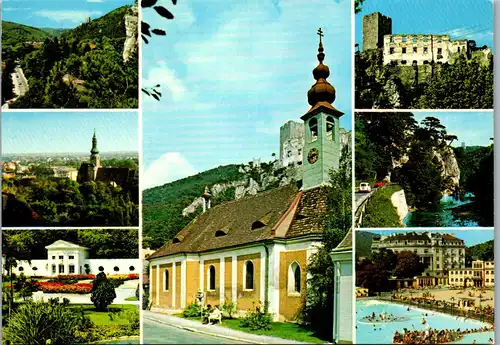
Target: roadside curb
pixel 194 330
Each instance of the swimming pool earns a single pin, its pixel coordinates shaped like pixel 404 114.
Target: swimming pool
pixel 383 333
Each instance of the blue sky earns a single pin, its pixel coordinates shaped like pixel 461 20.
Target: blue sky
pixel 45 132
pixel 232 73
pixel 57 13
pixel 471 128
pixel 461 19
pixel 471 237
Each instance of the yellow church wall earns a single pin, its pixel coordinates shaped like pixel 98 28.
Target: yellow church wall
pixel 228 279
pixel 192 281
pixel 213 296
pixel 166 295
pixel 246 298
pixel 178 284
pixel 290 304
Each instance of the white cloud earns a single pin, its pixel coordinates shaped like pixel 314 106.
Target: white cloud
pixel 161 74
pixel 169 167
pixel 67 15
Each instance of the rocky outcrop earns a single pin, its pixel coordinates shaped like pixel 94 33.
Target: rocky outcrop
pixel 449 168
pixel 398 200
pixel 131 25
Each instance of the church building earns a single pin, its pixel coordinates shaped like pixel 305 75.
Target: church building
pixel 256 249
pixel 94 171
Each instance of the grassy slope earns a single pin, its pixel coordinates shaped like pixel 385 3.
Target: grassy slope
pixel 111 25
pixel 380 212
pixel 13 33
pixel 163 205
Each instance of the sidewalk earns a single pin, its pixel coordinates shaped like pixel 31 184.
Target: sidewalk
pixel 215 330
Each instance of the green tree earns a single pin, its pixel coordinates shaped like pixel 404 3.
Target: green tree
pixel 103 294
pixel 338 221
pixel 408 265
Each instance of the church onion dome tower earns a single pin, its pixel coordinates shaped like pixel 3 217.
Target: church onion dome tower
pixel 322 93
pixel 94 149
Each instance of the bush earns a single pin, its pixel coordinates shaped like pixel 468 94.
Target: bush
pixel 145 300
pixel 87 268
pixel 229 308
pixel 42 323
pixel 103 295
pixel 193 310
pixel 259 319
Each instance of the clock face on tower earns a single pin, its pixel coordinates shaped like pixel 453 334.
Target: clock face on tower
pixel 312 156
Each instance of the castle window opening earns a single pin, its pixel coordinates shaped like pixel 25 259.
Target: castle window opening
pixel 391 50
pixel 300 152
pixel 426 50
pixel 289 154
pixel 249 275
pixel 330 125
pixel 166 285
pixel 403 50
pixel 71 269
pixel 414 39
pixel 425 38
pixel 440 50
pixel 439 38
pixel 313 128
pixel 414 49
pixel 211 278
pixel 404 39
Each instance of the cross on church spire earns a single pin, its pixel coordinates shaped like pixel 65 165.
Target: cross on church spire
pixel 320 34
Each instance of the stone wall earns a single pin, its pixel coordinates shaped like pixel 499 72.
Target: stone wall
pixel 375 26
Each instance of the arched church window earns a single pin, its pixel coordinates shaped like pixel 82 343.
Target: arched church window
pixel 330 126
pixel 211 278
pixel 167 280
pixel 294 278
pixel 249 275
pixel 313 128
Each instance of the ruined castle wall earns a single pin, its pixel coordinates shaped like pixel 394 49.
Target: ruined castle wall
pixel 421 49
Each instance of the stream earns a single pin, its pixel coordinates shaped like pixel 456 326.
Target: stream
pixel 450 212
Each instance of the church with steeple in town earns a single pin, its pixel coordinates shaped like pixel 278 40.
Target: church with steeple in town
pixel 94 171
pixel 256 249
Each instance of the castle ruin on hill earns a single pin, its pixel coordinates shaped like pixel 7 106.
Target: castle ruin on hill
pixel 413 49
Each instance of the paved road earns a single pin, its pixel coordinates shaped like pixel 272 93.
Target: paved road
pixel 19 81
pixel 159 333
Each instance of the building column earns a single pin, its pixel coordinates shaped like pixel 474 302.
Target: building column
pixel 202 272
pixel 221 280
pixel 263 276
pixel 234 281
pixel 150 282
pixel 174 282
pixel 183 283
pixel 157 284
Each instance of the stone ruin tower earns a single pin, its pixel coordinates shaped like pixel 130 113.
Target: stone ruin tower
pixel 375 26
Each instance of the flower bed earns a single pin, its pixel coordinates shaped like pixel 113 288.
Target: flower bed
pixel 74 276
pixel 130 276
pixel 60 287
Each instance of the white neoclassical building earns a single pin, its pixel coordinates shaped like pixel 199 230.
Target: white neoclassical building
pixel 64 257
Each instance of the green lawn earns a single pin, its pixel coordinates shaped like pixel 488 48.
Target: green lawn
pixel 103 317
pixel 380 212
pixel 131 298
pixel 283 330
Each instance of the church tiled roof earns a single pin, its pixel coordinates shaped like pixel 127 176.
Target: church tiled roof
pixel 248 220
